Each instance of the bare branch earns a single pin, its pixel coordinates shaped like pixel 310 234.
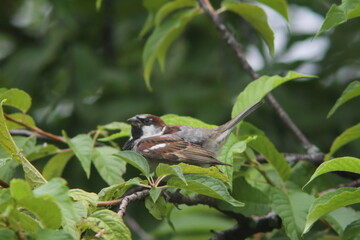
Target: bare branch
pixel 4 184
pixel 230 39
pixel 293 158
pixel 355 183
pixel 131 198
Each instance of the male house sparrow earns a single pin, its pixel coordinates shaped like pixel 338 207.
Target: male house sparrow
pixel 173 144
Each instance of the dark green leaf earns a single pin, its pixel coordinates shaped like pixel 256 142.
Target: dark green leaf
pixel 341 218
pixel 161 38
pixel 344 138
pixel 82 145
pixel 159 209
pixel 205 185
pixel 7 234
pixel 55 166
pixel 351 91
pixel 254 15
pixel 264 146
pixel 46 234
pixel 352 230
pixel 116 191
pixel 135 160
pixel 40 151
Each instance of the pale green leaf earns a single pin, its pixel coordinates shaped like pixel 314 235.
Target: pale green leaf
pixel 170 7
pixel 255 16
pixel 72 212
pixel 40 151
pixel 16 98
pixel 55 166
pixel 136 160
pixel 20 189
pixel 24 220
pixel 265 147
pixel 232 145
pixel 211 171
pixel 351 91
pixel 109 167
pixel 161 38
pixel 173 119
pixel 348 164
pixel 352 230
pixel 32 175
pixel 82 145
pixel 292 208
pixel 340 218
pixel 155 193
pixel 24 118
pixel 98 4
pixel 44 208
pixel 260 87
pixel 112 225
pixel 279 6
pixel 166 170
pixel 117 190
pixel 344 138
pixel 46 234
pixel 159 209
pixel 329 202
pixel 6 141
pixel 87 199
pixel 205 185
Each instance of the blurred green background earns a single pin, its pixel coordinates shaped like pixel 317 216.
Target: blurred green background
pixel 83 68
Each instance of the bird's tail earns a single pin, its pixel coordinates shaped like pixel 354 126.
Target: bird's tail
pixel 232 123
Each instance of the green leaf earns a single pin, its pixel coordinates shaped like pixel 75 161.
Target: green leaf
pixel 256 200
pixel 166 170
pixel 44 208
pixel 98 4
pixel 352 230
pixel 7 234
pixel 341 218
pixel 135 160
pixel 55 166
pixel 112 225
pixel 40 151
pixel 155 193
pixel 110 167
pixel 6 141
pixel 72 212
pixel 292 208
pixel 205 185
pixel 117 190
pixel 125 131
pixel 279 6
pixel 255 16
pixel 87 199
pixel 159 209
pixel 20 189
pixel 20 117
pixel 339 14
pixel 348 164
pixel 329 202
pixel 161 38
pixel 232 145
pixel 258 88
pixel 46 234
pixel 344 138
pixel 82 145
pixel 351 91
pixel 170 7
pixel 16 98
pixel 265 147
pixel 173 119
pixel 211 171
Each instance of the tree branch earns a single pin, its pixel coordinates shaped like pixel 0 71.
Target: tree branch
pixel 293 158
pixel 136 196
pixel 230 39
pixel 4 184
pixel 35 129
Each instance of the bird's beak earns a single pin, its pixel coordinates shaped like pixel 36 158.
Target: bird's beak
pixel 133 121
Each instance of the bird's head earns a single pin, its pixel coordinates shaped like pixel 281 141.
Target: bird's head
pixel 146 125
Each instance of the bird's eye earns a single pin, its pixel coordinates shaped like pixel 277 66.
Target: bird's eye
pixel 147 121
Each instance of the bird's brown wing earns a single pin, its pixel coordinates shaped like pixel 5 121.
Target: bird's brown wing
pixel 175 150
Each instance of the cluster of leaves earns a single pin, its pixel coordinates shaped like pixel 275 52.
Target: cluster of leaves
pixel 43 206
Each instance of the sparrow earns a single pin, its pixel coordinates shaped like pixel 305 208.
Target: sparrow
pixel 158 142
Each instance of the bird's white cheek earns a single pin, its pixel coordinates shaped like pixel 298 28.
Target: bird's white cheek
pixel 150 131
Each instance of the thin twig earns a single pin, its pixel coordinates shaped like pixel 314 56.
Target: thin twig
pixel 355 183
pixel 131 198
pixel 35 129
pixel 109 203
pixel 4 184
pixel 230 39
pixel 293 158
pixel 131 223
